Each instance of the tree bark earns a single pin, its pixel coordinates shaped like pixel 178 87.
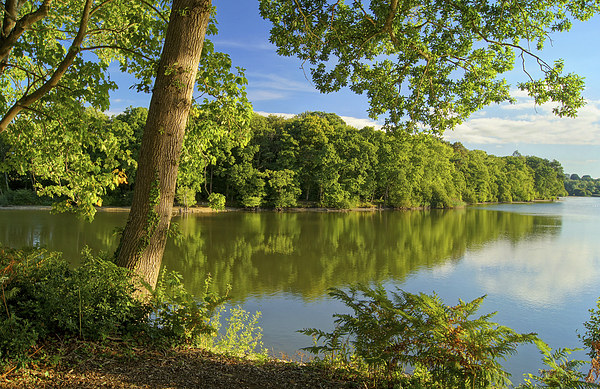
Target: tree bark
pixel 145 234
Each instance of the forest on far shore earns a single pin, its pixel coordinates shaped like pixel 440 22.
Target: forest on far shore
pixel 312 159
pixel 582 186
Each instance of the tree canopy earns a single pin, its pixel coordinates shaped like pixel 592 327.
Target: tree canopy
pixel 55 81
pixel 429 64
pixel 54 55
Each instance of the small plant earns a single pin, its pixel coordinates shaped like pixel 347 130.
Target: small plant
pixel 179 317
pixel 591 340
pixel 216 201
pixel 241 336
pixel 443 344
pixel 186 196
pixel 561 373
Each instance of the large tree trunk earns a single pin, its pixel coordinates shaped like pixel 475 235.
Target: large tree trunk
pixel 145 235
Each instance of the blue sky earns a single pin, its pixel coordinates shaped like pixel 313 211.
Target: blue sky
pixel 279 85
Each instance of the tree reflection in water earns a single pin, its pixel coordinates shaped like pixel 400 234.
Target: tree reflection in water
pixel 305 253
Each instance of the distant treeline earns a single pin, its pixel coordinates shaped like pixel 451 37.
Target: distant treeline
pixel 582 186
pixel 315 159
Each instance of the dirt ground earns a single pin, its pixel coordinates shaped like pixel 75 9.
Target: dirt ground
pixel 93 366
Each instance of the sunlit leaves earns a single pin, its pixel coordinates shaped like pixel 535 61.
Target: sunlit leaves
pixel 74 158
pixel 565 89
pixel 220 115
pixel 129 32
pixel 89 155
pixel 445 345
pixel 427 65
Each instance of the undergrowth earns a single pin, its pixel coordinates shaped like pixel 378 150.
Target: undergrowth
pixel 43 298
pixel 441 346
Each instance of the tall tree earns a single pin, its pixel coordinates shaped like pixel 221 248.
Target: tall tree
pixel 144 238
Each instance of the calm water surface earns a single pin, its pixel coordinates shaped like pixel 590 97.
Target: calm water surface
pixel 538 264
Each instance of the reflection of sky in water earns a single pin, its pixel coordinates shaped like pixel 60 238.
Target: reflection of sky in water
pixel 545 283
pixel 539 272
pixel 544 270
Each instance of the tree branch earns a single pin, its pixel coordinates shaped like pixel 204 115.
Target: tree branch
pixel 163 17
pixel 19 27
pixel 99 6
pixel 61 69
pixel 10 16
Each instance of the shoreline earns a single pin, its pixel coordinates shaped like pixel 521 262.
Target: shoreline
pixel 177 210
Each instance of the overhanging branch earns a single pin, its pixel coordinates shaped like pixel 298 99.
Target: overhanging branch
pixel 28 100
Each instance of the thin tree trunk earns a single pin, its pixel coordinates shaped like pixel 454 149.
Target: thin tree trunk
pixel 144 238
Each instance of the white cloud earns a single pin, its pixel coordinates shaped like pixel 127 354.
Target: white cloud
pixel 351 121
pixel 112 112
pixel 360 123
pixel 243 45
pixel 275 82
pixel 263 87
pixel 538 127
pixel 284 115
pixel 262 95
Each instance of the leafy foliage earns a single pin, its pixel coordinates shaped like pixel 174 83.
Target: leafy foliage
pixel 179 316
pixel 444 344
pixel 591 340
pixel 216 201
pixel 584 186
pixel 313 157
pixel 428 65
pixel 75 166
pixel 42 297
pixel 185 196
pixel 242 335
pixel 317 158
pixel 70 150
pixel 561 372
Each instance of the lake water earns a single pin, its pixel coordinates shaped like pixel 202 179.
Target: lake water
pixel 538 264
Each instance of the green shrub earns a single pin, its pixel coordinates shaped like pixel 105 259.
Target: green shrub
pixel 251 201
pixel 44 297
pixel 178 317
pixel 241 337
pixel 185 196
pixel 443 344
pixel 216 201
pixel 591 341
